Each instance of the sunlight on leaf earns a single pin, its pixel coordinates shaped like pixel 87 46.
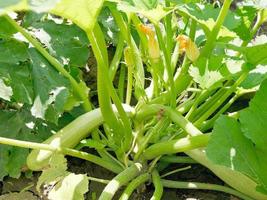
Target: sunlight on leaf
pixel 5 91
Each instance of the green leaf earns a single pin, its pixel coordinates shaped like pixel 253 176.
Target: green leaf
pixel 22 126
pixel 51 89
pixel 253 55
pixel 108 26
pixel 255 77
pixel 13 51
pixel 241 146
pixel 15 69
pixel 68 43
pixel 210 73
pixel 229 147
pixel 253 119
pixel 92 144
pixel 247 15
pixel 256 55
pixel 206 15
pixel 153 14
pixel 140 4
pixel 6 30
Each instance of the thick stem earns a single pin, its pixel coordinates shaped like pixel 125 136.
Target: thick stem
pixel 170 81
pixel 120 180
pixel 207 50
pixel 174 115
pixel 175 146
pixel 158 186
pixel 133 185
pixel 203 186
pixel 105 87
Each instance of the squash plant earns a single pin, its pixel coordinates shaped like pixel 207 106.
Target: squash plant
pixel 181 66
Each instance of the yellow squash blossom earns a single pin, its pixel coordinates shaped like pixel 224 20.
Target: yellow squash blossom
pixel 189 47
pixel 153 46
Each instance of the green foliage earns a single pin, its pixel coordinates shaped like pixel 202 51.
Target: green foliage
pixel 241 145
pixel 18 125
pixel 51 89
pixel 178 98
pixel 63 41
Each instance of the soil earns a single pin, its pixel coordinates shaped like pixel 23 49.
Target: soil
pixel 24 188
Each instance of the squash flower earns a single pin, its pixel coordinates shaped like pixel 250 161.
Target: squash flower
pixel 153 46
pixel 189 47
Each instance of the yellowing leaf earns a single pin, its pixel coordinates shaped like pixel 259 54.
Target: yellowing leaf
pixel 81 12
pixel 70 187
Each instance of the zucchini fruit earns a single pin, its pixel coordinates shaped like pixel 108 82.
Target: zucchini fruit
pixel 69 136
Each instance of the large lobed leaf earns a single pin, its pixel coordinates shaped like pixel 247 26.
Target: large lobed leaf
pixel 28 78
pixel 82 12
pixel 241 145
pixel 66 42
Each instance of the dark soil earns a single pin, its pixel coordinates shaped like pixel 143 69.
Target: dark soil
pixel 11 189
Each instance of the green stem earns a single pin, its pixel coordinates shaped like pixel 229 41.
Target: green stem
pixel 203 186
pixel 175 171
pixel 62 150
pixel 117 58
pixel 169 31
pixel 219 102
pixel 182 79
pixel 208 48
pixel 133 185
pixel 135 53
pixel 256 27
pixel 195 104
pixel 178 159
pixel 129 84
pixel 103 92
pixel 99 180
pixel 168 66
pixel 175 57
pixel 175 146
pixel 160 126
pixel 120 180
pixel 121 83
pixel 150 110
pixel 208 124
pixel 158 186
pixel 105 88
pixel 54 62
